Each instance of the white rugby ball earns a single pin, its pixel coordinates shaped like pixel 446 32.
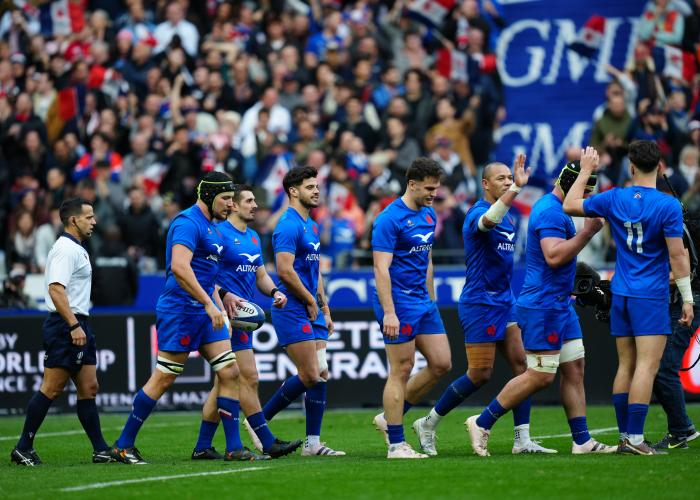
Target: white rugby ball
pixel 249 317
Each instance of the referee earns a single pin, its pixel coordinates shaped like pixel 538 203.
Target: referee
pixel 68 341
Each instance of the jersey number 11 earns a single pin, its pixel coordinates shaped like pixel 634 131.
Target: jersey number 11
pixel 631 228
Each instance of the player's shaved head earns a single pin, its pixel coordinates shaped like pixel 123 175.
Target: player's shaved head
pixel 491 169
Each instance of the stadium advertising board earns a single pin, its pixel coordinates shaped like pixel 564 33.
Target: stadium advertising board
pixel 551 91
pixel 357 363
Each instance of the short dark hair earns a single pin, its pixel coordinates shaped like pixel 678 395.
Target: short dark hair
pixel 422 168
pixel 71 207
pixel 239 189
pixel 645 155
pixel 296 176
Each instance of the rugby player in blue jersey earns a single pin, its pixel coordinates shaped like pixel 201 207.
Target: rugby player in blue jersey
pixel 404 300
pixel 486 304
pixel 647 227
pixel 296 245
pixel 188 320
pixel 242 269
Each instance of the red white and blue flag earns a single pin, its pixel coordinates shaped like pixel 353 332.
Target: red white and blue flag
pixel 590 37
pixel 430 12
pixel 61 17
pixel 672 62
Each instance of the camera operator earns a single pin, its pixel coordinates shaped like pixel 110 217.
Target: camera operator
pixel 12 295
pixel 667 385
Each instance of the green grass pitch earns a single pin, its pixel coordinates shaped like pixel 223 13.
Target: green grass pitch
pixel 167 440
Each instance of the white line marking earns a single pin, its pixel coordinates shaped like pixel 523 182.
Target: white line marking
pixel 282 416
pixel 568 434
pixel 95 486
pixel 81 431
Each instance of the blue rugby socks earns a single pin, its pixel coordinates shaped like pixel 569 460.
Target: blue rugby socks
pixel 315 402
pixel 90 420
pixel 636 416
pixel 620 401
pixel 141 409
pixel 37 408
pixel 491 414
pixel 206 435
pixel 290 390
pixel 228 411
pixel 262 430
pixel 579 430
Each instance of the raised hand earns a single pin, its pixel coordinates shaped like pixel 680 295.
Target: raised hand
pixel 589 160
pixel 520 173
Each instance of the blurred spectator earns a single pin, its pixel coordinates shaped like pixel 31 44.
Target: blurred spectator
pixel 13 296
pixel 23 241
pixel 175 26
pixel 610 130
pixel 115 277
pixel 139 229
pixel 46 235
pixel 401 150
pixel 137 162
pixel 662 23
pixel 688 164
pixel 456 130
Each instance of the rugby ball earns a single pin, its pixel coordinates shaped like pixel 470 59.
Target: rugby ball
pixel 249 317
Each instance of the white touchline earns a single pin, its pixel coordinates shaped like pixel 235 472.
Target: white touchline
pixel 282 416
pixel 81 431
pixel 568 434
pixel 96 486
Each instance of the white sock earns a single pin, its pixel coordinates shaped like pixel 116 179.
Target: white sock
pixel 522 433
pixel 432 420
pixel 313 441
pixel 623 436
pixel 636 439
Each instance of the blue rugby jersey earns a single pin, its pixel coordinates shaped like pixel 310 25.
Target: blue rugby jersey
pixel 545 287
pixel 408 235
pixel 300 237
pixel 640 219
pixel 241 258
pixel 488 256
pixel 191 229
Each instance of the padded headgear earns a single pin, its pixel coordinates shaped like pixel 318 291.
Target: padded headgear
pixel 568 176
pixel 212 185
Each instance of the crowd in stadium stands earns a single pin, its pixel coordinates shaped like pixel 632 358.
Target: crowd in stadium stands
pixel 128 103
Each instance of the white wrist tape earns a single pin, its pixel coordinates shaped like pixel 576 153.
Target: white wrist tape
pixel 495 213
pixel 515 189
pixel 227 321
pixel 683 285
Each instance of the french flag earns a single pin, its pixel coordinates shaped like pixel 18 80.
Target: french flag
pixel 62 17
pixel 452 64
pixel 672 62
pixel 430 12
pixel 590 37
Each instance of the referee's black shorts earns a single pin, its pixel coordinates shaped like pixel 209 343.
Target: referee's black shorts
pixel 60 352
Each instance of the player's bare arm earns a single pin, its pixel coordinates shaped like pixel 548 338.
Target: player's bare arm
pixel 268 287
pixel 323 304
pixel 382 261
pixel 573 202
pixel 558 251
pixel 680 266
pixel 290 278
pixel 429 278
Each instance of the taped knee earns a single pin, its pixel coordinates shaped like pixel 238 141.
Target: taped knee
pixel 169 367
pixel 223 360
pixel 544 363
pixel 571 351
pixel 322 361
